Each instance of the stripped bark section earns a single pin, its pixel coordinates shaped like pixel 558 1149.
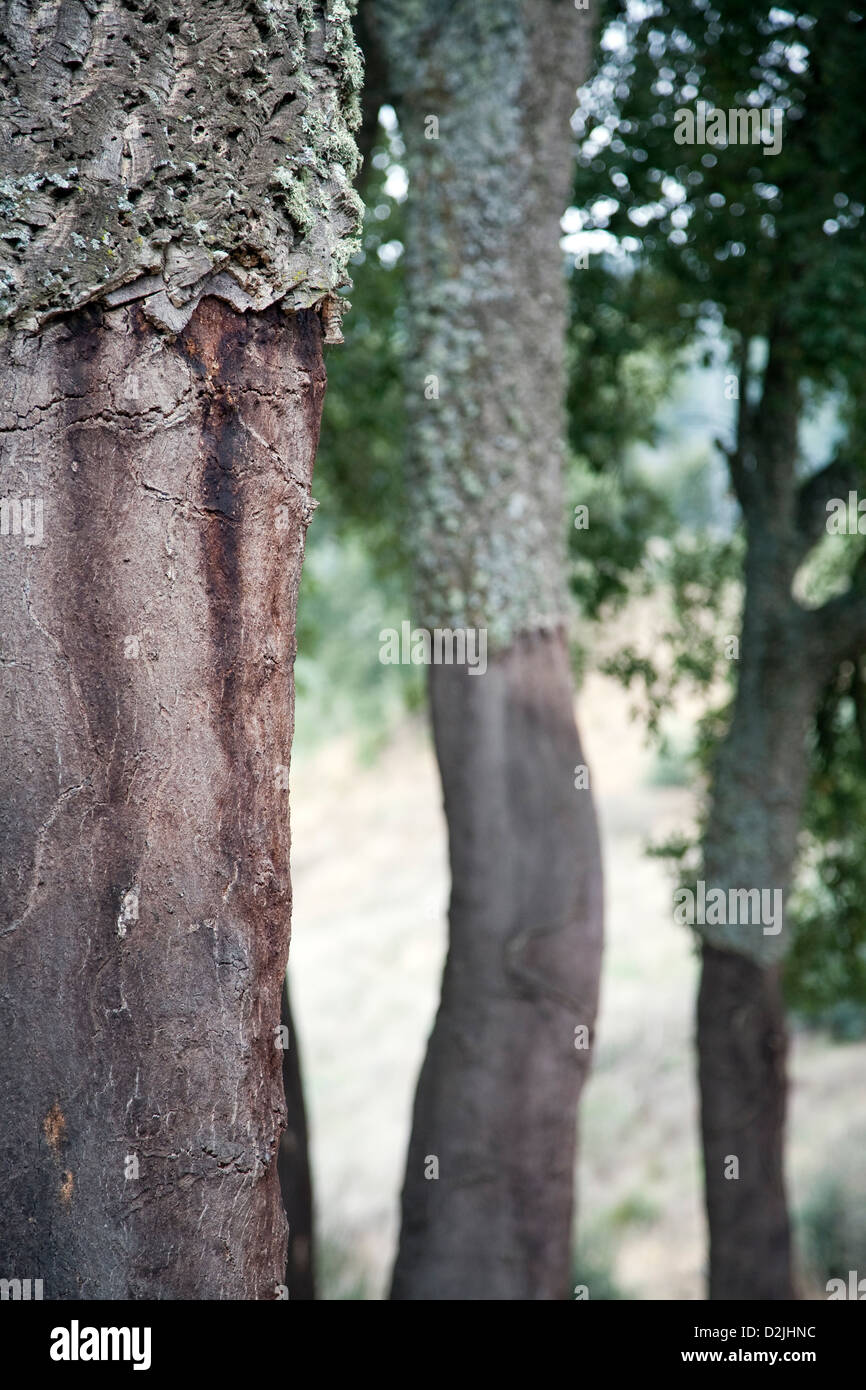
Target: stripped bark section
pixel 498 1092
pixel 147 648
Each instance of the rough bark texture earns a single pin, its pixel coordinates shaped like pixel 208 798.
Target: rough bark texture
pixel 191 149
pixel 751 842
pixel 165 167
pixel 294 1169
pixel 758 784
pixel 486 290
pixel 498 1093
pixel 147 649
pixel 496 1101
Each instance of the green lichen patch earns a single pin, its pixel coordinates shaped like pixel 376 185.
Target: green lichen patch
pixel 184 141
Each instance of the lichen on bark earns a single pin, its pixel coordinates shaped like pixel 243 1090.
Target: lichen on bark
pixel 176 149
pixel 485 284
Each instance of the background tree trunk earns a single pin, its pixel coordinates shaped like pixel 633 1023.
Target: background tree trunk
pixel 498 1093
pixel 757 789
pixel 178 206
pixel 751 842
pixel 742 1049
pixel 484 96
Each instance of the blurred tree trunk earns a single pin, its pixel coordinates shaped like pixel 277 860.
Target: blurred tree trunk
pixel 484 95
pixel 294 1169
pixel 786 655
pixel 751 841
pixel 175 216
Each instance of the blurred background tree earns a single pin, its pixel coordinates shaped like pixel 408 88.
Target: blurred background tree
pixel 764 251
pixel 692 252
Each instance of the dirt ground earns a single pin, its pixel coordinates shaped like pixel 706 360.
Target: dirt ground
pixel 370 880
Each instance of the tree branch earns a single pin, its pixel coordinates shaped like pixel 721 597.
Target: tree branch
pixel 834 480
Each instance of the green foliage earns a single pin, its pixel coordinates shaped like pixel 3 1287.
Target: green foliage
pixel 625 512
pixel 621 358
pixel 747 237
pixel 342 687
pixel 703 236
pixel 359 470
pixel 700 572
pixel 833 1228
pixel 825 972
pixel 355 579
pixel 593 1268
pixel 732 241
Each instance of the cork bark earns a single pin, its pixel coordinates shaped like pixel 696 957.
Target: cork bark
pixel 147 649
pixel 757 791
pixel 787 655
pixel 176 215
pixel 511 1047
pixel 484 95
pixel 166 151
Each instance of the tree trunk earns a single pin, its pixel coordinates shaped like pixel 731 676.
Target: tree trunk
pixel 742 1048
pixel 148 647
pixel 177 207
pixel 294 1169
pixel 498 1093
pixel 787 653
pixel 750 843
pixel 484 96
